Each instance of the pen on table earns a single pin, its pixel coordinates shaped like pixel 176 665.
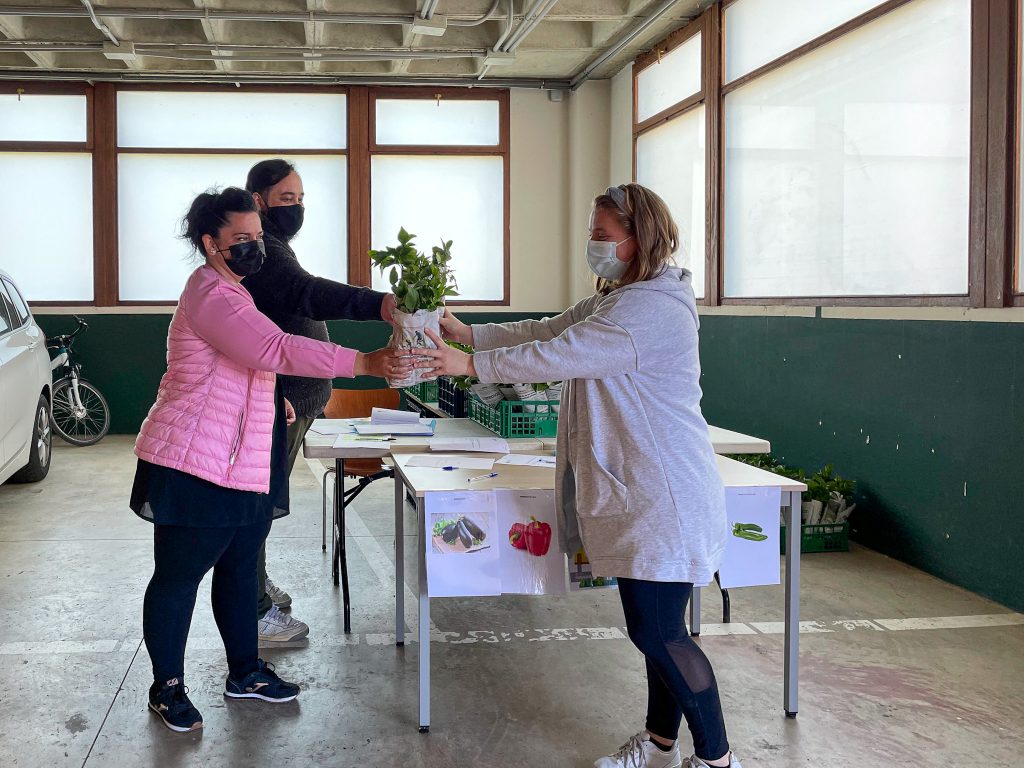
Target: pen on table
pixel 483 477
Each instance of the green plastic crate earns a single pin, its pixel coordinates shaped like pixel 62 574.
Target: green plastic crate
pixel 825 537
pixel 425 392
pixel 515 418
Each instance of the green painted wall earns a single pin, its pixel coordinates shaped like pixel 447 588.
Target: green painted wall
pixel 914 411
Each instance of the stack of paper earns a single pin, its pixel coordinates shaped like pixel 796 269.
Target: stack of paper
pixel 332 427
pixel 525 460
pixel 450 462
pixel 388 416
pixel 470 444
pixel 416 429
pixel 352 441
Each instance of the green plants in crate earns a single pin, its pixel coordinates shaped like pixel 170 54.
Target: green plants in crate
pixel 421 284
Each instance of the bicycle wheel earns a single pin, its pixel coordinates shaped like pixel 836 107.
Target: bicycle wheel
pixel 80 426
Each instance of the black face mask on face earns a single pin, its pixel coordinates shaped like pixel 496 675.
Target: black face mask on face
pixel 287 219
pixel 246 258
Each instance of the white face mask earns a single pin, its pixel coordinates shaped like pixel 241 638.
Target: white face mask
pixel 603 261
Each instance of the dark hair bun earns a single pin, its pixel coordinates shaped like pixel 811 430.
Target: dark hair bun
pixel 209 212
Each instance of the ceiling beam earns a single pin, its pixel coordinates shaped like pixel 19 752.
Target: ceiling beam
pixel 210 30
pixel 314 33
pixel 13 29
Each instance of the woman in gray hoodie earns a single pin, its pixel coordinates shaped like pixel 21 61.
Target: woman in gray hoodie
pixel 637 482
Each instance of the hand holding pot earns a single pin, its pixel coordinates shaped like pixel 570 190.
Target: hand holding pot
pixel 384 363
pixel 387 308
pixel 443 361
pixel 454 329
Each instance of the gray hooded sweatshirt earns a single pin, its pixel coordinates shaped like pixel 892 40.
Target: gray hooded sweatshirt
pixel 636 480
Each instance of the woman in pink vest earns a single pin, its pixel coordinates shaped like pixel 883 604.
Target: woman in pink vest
pixel 212 454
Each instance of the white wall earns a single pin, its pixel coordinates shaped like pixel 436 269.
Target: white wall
pixel 621 128
pixel 539 189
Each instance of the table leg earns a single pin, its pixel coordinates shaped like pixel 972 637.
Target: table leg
pixel 424 627
pixel 342 564
pixel 399 560
pixel 695 612
pixel 792 653
pixel 339 487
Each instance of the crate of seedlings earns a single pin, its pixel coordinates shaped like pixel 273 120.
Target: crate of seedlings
pixel 519 410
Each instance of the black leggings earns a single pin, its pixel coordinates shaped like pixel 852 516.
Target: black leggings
pixel 183 556
pixel 680 681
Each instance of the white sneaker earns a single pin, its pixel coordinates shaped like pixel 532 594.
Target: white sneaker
pixel 279 627
pixel 696 762
pixel 640 752
pixel 278 596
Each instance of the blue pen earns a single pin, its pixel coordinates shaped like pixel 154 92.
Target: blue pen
pixel 488 476
pixel 448 469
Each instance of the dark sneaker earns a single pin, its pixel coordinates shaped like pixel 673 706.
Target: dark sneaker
pixel 263 683
pixel 170 701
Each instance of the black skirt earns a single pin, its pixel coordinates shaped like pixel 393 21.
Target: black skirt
pixel 167 496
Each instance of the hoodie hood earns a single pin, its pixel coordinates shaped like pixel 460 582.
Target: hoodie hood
pixel 672 281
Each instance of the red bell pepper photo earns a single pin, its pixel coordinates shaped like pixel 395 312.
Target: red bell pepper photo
pixel 538 537
pixel 517 536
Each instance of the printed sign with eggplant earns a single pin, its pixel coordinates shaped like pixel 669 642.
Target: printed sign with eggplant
pixel 460 534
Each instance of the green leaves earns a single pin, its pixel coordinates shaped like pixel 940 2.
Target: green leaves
pixel 418 280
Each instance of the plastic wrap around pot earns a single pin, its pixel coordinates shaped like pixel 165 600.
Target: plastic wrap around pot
pixel 409 332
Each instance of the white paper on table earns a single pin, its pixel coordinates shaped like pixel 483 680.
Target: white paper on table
pixel 332 427
pixel 456 462
pixel 522 572
pixel 471 444
pixel 526 460
pixel 389 416
pixel 751 563
pixel 347 441
pixel 453 571
pixel 409 430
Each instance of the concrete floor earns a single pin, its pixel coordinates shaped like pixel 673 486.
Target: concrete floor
pixel 517 681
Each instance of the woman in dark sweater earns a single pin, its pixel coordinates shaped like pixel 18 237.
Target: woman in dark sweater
pixel 299 303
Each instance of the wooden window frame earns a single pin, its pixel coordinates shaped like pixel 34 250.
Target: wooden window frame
pixel 78 147
pixel 995 194
pixel 101 130
pixel 501 149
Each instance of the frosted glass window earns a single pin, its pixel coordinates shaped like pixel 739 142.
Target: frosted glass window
pixel 846 171
pixel 760 31
pixel 676 77
pixel 430 122
pixel 42 117
pixel 454 198
pixel 47 225
pixel 670 161
pixel 186 120
pixel 155 191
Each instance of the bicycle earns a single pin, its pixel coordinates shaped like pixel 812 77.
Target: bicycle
pixel 80 414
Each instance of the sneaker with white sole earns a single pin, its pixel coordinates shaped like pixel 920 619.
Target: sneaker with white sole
pixel 696 762
pixel 170 701
pixel 278 596
pixel 278 627
pixel 263 684
pixel 640 752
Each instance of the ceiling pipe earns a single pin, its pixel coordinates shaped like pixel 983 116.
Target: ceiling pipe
pixel 260 78
pixel 429 6
pixel 209 14
pixel 243 53
pixel 481 20
pixel 99 24
pixel 531 21
pixel 625 39
pixel 501 39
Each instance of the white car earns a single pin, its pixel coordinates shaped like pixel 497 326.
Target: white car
pixel 25 390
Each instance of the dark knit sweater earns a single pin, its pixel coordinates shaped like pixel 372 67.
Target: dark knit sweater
pixel 299 303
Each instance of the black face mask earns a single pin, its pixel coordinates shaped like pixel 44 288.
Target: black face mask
pixel 246 258
pixel 287 219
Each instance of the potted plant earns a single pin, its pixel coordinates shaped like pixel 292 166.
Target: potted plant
pixel 421 283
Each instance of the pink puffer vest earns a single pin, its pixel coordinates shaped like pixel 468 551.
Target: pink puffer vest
pixel 214 412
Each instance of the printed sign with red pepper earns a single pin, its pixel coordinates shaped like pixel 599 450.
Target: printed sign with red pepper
pixel 530 564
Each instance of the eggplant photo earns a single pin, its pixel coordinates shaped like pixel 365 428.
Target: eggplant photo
pixel 475 531
pixel 450 533
pixel 464 535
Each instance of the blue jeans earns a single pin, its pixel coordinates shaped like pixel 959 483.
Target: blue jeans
pixel 680 681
